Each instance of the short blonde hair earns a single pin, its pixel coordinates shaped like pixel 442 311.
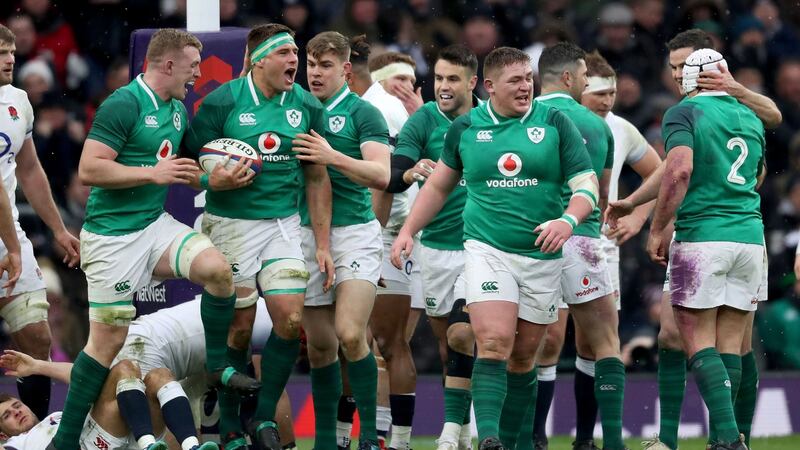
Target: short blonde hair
pixel 169 40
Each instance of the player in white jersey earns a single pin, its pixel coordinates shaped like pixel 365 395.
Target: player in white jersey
pixel 399 301
pixel 25 310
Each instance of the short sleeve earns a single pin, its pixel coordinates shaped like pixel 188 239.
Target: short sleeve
pixel 209 122
pixel 574 156
pixel 637 144
pixel 610 142
pixel 414 136
pixel 451 155
pixel 29 117
pixel 678 127
pixel 114 120
pixel 371 125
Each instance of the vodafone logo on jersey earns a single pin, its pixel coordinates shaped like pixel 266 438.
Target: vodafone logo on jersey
pixel 269 143
pixel 509 164
pixel 164 150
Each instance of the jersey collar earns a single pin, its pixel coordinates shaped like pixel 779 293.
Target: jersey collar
pixel 336 98
pixel 711 94
pixel 147 90
pixel 557 94
pixel 494 115
pixel 475 102
pixel 255 93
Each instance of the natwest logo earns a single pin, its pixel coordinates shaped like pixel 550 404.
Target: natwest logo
pixel 484 136
pixel 246 119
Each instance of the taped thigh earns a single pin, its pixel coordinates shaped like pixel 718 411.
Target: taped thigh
pixel 25 309
pixel 184 250
pixel 283 276
pixel 119 314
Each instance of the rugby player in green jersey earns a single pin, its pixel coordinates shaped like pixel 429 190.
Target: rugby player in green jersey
pixel 419 146
pixel 512 155
pixel 257 227
pixel 128 239
pixel 717 256
pixel 672 359
pixel 587 288
pixel 360 137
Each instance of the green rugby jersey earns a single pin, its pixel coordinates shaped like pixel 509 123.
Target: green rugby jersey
pixel 142 129
pixel 423 137
pixel 239 110
pixel 349 123
pixel 727 140
pixel 599 143
pixel 514 168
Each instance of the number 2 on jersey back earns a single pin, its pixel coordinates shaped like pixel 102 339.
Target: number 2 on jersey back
pixel 734 176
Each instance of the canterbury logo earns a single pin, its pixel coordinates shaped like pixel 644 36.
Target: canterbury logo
pixel 608 387
pixel 100 443
pixel 123 286
pixel 247 119
pixel 430 301
pixel 150 121
pixel 484 136
pixel 487 286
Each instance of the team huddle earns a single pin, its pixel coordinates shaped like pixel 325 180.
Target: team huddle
pixel 365 206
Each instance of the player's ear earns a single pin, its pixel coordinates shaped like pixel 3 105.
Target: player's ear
pixel 348 68
pixel 488 85
pixel 472 82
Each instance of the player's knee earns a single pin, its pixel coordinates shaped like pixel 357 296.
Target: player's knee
pixel 351 339
pixel 669 338
pixel 289 328
pixel 284 276
pixel 157 378
pixel 217 272
pixel 495 345
pixel 520 363
pixel 459 364
pixel 460 338
pixel 125 369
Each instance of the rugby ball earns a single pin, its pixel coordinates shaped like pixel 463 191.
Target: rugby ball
pixel 216 150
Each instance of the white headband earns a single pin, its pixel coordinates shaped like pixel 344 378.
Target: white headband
pixel 600 84
pixel 391 70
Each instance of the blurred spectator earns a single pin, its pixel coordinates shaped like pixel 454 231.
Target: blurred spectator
pixel 480 34
pixel 648 26
pixel 66 317
pixel 73 208
pixel 55 38
pixel 622 49
pixel 547 34
pixel 778 326
pixel 59 137
pixel 695 11
pixel 116 77
pixel 431 29
pixel 787 88
pixel 715 31
pixel 781 40
pixel 360 17
pixel 24 31
pixel 749 44
pixel 229 13
pixel 36 78
pixel 751 78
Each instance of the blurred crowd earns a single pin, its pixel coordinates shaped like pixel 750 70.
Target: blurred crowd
pixel 72 54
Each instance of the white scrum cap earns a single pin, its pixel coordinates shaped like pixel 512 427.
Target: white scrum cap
pixel 703 60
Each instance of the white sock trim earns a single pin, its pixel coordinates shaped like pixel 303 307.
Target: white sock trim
pixel 585 365
pixel 546 373
pixel 145 441
pixel 189 442
pixel 130 384
pixel 170 391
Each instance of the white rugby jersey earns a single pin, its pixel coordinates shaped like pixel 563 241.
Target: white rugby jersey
pixel 629 147
pixel 396 116
pixel 16 125
pixel 38 437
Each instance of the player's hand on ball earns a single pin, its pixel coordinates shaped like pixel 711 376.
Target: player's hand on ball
pixel 17 364
pixel 401 249
pixel 222 179
pixel 325 262
pixel 420 172
pixel 617 209
pixel 313 148
pixel 71 247
pixel 174 170
pixel 658 252
pixel 11 263
pixel 552 235
pixel 625 228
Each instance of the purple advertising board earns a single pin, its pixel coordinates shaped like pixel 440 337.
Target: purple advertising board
pixel 222 57
pixel 776 411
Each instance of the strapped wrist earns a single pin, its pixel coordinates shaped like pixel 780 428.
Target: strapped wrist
pixel 204 182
